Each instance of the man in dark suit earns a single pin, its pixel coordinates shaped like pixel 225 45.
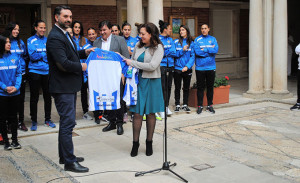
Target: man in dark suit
pixel 114 43
pixel 65 78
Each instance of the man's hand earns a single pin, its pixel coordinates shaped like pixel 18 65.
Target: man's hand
pixel 84 66
pixel 88 51
pixel 184 69
pixel 128 61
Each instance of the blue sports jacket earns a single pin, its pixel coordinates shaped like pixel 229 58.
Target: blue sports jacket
pixel 10 73
pixel 170 51
pixel 86 46
pixel 38 63
pixel 21 52
pixel 184 58
pixel 206 48
pixel 131 42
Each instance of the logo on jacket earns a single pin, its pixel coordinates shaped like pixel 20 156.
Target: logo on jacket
pixel 131 43
pixel 168 41
pixel 13 61
pixel 209 42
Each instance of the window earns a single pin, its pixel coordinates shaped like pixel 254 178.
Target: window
pixel 190 21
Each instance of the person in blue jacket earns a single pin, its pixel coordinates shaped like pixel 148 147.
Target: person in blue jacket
pixel 19 49
pixel 131 42
pixel 205 47
pixel 81 44
pixel 115 30
pixel 10 83
pixel 39 74
pixel 184 61
pixel 167 63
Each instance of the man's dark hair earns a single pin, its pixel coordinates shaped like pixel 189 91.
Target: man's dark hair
pixel 58 9
pixel 105 22
pixel 2 45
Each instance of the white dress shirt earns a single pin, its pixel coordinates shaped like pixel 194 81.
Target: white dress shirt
pixel 106 44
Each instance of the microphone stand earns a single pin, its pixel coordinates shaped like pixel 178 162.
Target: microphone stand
pixel 166 164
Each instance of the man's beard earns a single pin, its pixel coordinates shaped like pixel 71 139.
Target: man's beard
pixel 63 25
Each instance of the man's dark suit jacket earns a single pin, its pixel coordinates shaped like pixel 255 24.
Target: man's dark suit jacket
pixel 65 70
pixel 117 44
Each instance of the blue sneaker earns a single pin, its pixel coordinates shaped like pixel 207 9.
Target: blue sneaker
pixel 33 126
pixel 50 124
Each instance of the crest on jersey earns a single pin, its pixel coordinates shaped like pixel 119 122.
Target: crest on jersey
pixel 209 42
pixel 131 43
pixel 13 61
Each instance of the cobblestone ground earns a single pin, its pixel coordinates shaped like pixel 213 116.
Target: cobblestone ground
pixel 264 136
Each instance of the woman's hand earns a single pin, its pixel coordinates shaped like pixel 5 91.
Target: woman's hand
pixel 11 89
pixel 128 61
pixel 184 69
pixel 186 47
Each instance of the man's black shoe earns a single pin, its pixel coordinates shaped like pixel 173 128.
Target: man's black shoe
pixel 120 129
pixel 110 126
pixel 78 159
pixel 76 167
pixel 199 110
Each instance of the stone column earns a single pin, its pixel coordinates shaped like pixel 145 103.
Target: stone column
pixel 256 64
pixel 280 47
pixel 268 40
pixel 155 11
pixel 134 14
pixel 119 12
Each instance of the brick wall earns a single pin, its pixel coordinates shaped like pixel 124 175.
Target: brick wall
pixel 244 32
pixel 90 16
pixel 201 13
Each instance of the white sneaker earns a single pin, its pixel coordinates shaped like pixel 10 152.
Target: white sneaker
pixel 169 112
pixel 162 115
pixel 87 116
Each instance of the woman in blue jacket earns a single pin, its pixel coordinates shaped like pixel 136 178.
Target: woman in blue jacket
pixel 82 43
pixel 205 47
pixel 10 83
pixel 167 63
pixel 39 74
pixel 184 61
pixel 131 42
pixel 19 49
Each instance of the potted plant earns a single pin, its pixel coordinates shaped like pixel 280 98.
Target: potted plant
pixel 221 92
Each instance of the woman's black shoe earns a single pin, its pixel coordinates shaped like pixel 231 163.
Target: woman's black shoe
pixel 135 148
pixel 149 150
pixel 7 146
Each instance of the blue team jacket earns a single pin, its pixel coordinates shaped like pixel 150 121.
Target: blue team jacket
pixel 170 51
pixel 131 42
pixel 184 58
pixel 10 73
pixel 21 52
pixel 38 63
pixel 86 46
pixel 205 59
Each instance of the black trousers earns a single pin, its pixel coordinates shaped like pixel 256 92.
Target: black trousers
pixel 170 72
pixel 66 107
pixel 186 78
pixel 84 97
pixel 22 98
pixel 8 112
pixel 298 86
pixel 205 79
pixel 37 81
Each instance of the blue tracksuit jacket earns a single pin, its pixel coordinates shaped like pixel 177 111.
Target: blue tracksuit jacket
pixel 10 73
pixel 206 48
pixel 131 42
pixel 170 51
pixel 38 63
pixel 184 58
pixel 21 52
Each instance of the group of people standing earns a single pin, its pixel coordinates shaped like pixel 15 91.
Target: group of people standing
pixel 57 65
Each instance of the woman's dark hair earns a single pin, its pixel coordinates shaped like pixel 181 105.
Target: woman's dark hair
pixel 205 24
pixel 91 28
pixel 125 24
pixel 8 32
pixel 103 23
pixel 138 26
pixel 163 25
pixel 153 31
pixel 2 45
pixel 117 25
pixel 189 38
pixel 36 24
pixel 82 41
